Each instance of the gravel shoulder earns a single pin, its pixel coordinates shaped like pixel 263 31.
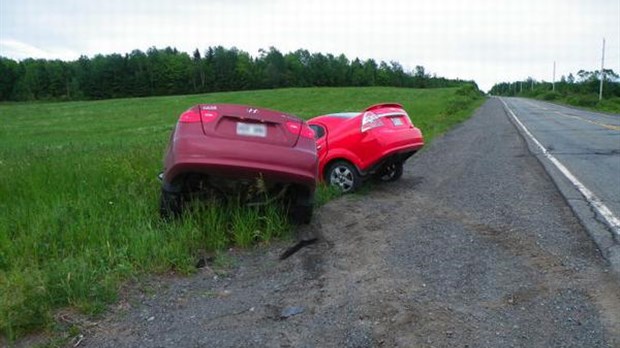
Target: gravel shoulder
pixel 473 247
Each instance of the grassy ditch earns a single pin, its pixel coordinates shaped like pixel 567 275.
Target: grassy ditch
pixel 79 193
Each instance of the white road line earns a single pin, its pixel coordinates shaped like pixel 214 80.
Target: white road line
pixel 591 198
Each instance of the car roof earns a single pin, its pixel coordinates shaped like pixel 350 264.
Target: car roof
pixel 331 120
pixel 343 114
pixel 340 117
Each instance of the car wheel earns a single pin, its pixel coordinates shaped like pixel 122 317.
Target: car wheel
pixel 301 214
pixel 300 206
pixel 170 205
pixel 390 172
pixel 343 175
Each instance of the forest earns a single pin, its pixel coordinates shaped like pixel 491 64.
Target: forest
pixel 168 71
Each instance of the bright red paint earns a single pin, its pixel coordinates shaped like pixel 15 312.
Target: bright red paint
pixel 388 136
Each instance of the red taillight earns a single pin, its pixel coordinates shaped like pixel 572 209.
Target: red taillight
pixel 371 120
pixel 192 116
pixel 208 116
pixel 300 129
pixel 293 127
pixel 307 132
pixel 189 116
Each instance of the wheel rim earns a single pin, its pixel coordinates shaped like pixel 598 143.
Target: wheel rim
pixel 343 178
pixel 389 172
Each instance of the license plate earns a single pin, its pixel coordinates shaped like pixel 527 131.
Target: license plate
pixel 251 129
pixel 397 121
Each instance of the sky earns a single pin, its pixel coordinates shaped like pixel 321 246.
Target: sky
pixel 488 41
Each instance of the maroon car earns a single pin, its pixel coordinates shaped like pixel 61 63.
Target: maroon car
pixel 219 150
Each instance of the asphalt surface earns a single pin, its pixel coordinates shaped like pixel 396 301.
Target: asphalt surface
pixel 474 247
pixel 587 144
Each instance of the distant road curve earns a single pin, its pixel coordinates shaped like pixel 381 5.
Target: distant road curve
pixel 581 151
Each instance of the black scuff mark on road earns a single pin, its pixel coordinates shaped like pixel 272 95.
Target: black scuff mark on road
pixel 295 248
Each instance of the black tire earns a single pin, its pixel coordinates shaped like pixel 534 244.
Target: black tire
pixel 343 175
pixel 301 214
pixel 300 206
pixel 390 172
pixel 170 205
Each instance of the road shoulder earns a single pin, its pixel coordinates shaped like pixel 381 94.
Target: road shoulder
pixel 598 230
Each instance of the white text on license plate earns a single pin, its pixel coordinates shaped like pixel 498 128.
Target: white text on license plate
pixel 251 129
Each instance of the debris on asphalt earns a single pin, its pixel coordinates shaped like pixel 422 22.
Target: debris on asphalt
pixel 291 311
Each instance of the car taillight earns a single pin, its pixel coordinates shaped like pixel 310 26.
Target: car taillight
pixel 189 116
pixel 371 120
pixel 293 127
pixel 208 116
pixel 307 132
pixel 300 129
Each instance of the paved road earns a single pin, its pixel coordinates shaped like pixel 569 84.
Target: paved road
pixel 473 247
pixel 587 146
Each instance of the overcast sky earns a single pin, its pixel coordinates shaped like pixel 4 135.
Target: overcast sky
pixel 488 41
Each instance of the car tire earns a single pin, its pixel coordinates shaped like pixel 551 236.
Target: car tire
pixel 170 205
pixel 301 214
pixel 300 206
pixel 343 175
pixel 390 172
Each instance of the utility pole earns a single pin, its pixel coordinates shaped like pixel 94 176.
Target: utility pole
pixel 521 86
pixel 602 74
pixel 553 85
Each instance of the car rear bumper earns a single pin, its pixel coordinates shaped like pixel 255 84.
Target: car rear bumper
pixel 395 147
pixel 235 160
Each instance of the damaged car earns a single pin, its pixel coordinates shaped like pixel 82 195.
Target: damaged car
pixel 373 143
pixel 220 150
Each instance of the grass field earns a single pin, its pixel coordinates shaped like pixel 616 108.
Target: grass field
pixel 79 194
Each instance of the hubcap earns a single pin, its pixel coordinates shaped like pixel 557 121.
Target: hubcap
pixel 389 172
pixel 342 177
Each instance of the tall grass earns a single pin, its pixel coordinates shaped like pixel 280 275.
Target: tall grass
pixel 79 194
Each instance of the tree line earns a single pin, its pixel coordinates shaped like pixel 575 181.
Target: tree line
pixel 168 71
pixel 581 90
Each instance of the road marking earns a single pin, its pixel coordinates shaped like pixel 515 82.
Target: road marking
pixel 608 126
pixel 591 198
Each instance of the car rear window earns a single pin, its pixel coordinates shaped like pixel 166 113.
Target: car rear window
pixel 319 131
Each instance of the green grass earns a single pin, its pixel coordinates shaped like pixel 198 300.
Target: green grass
pixel 79 194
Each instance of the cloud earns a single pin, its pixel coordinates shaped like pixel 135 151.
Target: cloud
pixel 20 50
pixel 486 40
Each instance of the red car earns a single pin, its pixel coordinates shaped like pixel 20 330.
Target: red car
pixel 219 149
pixel 353 146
